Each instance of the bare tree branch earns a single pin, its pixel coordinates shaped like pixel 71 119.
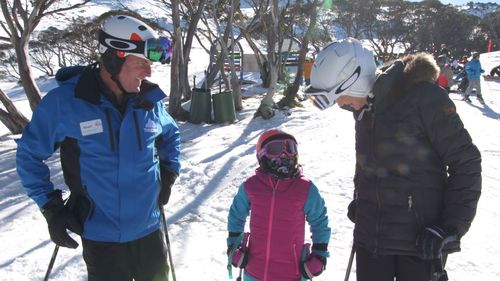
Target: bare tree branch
pixel 65 8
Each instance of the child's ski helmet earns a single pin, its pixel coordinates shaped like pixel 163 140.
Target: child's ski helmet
pixel 277 153
pixel 341 68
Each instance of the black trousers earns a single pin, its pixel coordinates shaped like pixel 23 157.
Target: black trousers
pixel 370 267
pixel 144 259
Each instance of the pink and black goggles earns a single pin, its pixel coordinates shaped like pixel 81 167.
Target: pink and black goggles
pixel 276 148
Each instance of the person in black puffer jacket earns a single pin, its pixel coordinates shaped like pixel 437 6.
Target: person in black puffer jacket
pixel 418 173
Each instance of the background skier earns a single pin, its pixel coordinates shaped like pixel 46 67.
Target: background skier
pixel 474 70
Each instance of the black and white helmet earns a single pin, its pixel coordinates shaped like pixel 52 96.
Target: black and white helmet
pixel 123 35
pixel 126 35
pixel 343 67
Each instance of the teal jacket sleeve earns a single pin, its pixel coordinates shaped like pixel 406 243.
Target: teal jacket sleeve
pixel 37 143
pixel 317 217
pixel 238 212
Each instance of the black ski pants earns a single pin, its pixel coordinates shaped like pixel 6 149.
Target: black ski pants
pixel 144 259
pixel 370 267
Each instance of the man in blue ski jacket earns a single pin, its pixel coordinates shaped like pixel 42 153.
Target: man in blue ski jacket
pixel 119 151
pixel 474 70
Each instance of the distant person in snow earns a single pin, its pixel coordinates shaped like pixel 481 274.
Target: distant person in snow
pixel 279 199
pixel 119 152
pixel 444 51
pixel 445 77
pixel 495 71
pixel 418 175
pixel 307 70
pixel 474 70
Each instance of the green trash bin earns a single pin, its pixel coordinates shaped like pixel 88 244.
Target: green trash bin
pixel 201 106
pixel 224 107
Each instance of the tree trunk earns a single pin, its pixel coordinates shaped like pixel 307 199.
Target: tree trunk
pixel 291 92
pixel 193 23
pixel 177 68
pixel 13 119
pixel 266 108
pixel 25 73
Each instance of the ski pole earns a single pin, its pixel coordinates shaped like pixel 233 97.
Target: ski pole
pixel 168 244
pixel 51 263
pixel 239 276
pixel 439 273
pixel 349 265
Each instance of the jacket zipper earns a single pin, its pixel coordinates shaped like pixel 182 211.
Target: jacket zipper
pixel 110 131
pixel 137 131
pixel 270 227
pixel 411 208
pixel 295 259
pixel 377 224
pixel 379 204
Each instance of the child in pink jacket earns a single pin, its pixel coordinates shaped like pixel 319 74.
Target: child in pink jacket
pixel 279 200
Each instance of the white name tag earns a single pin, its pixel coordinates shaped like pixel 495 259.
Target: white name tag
pixel 91 127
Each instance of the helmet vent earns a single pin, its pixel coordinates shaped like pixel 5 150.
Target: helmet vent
pixel 142 27
pixel 121 17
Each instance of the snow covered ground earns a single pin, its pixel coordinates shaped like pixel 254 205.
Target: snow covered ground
pixel 215 161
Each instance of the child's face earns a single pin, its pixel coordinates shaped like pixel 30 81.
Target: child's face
pixel 279 157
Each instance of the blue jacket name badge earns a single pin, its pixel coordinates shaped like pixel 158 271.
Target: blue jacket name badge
pixel 91 127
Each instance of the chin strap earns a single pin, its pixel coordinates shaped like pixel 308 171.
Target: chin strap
pixel 118 83
pixel 370 99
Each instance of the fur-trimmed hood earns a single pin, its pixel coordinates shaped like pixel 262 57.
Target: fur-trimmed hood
pixel 419 67
pixel 414 68
pixel 401 76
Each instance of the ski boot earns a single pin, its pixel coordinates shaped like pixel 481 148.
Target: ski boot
pixel 466 98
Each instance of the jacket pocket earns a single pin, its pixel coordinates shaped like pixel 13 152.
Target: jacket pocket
pixel 81 206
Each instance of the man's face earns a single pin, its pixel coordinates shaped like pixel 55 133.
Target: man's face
pixel 134 70
pixel 355 103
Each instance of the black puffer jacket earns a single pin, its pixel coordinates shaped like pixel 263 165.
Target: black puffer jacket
pixel 415 163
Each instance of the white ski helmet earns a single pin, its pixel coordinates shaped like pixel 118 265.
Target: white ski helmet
pixel 129 36
pixel 341 68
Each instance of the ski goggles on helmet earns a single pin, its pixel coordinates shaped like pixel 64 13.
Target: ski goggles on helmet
pixel 322 99
pixel 275 148
pixel 158 49
pixel 154 49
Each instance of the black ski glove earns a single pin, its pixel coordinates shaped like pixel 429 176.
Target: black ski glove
pixel 167 181
pixel 431 241
pixel 59 219
pixel 351 211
